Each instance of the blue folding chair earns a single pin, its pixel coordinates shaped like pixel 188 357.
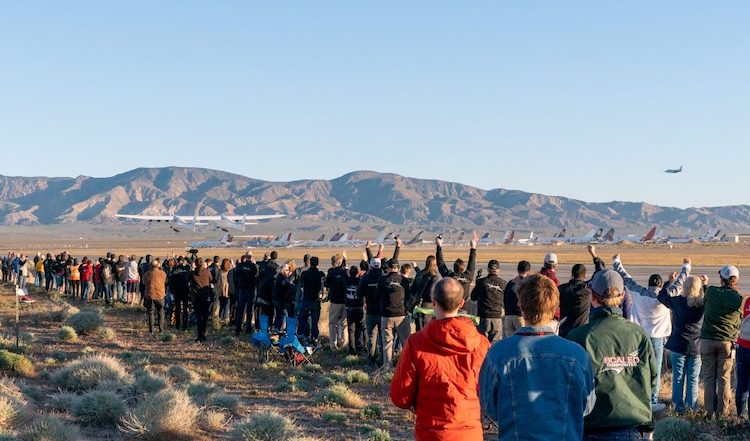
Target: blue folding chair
pixel 262 340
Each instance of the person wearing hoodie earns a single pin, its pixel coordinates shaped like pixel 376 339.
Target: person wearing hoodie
pixel 575 301
pixel 368 290
pixel 652 315
pixel 393 320
pixel 535 377
pixel 355 313
pixel 550 268
pixel 489 293
pixel 335 281
pixel 462 271
pixel 437 376
pixel 513 320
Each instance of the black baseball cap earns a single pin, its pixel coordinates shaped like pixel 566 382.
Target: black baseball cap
pixel 493 265
pixel 524 266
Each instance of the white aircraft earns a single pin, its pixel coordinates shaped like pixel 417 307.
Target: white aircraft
pixel 506 240
pixel 192 222
pixel 527 241
pixel 557 239
pixel 673 170
pixel 646 238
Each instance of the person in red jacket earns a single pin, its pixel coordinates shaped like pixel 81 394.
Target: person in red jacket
pixel 437 376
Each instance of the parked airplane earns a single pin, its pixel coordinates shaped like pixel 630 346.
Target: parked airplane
pixel 591 237
pixel 506 240
pixel 646 238
pixel 192 222
pixel 673 170
pixel 557 239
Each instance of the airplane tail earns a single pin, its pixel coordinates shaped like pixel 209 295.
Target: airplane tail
pixel 485 236
pixel 322 238
pixel 416 239
pixel 508 237
pixel 344 237
pixel 561 233
pixel 610 236
pixel 650 235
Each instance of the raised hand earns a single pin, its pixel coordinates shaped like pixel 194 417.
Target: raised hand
pixel 369 244
pixel 704 279
pixel 398 242
pixel 592 250
pixel 439 241
pixel 673 277
pixel 474 240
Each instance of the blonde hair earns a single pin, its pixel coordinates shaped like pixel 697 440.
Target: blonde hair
pixel 336 260
pixel 538 299
pixel 692 290
pixel 614 299
pixel 292 265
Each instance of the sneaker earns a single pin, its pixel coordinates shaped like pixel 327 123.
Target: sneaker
pixel 658 407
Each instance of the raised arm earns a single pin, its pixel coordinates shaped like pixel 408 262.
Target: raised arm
pixel 471 266
pixel 368 251
pixel 442 267
pixel 673 288
pixel 397 249
pixel 598 263
pixel 630 284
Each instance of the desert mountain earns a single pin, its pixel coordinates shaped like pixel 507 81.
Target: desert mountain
pixel 364 198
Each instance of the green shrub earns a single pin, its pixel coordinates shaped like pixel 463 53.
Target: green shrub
pixel 269 365
pixel 27 337
pixel 357 376
pixel 313 367
pixel 223 401
pixel 227 340
pixel 49 428
pixel 59 355
pixel 265 426
pixel 378 435
pixel 86 321
pixel 166 414
pixel 167 337
pixel 371 412
pixel 149 383
pixel 99 407
pixel 211 374
pixel 330 416
pixel 179 375
pixel 675 429
pixel 136 358
pixel 341 395
pixel 200 391
pixel 8 343
pixel 65 312
pixel 67 333
pixel 62 401
pixel 351 360
pixel 107 334
pixel 16 364
pixel 89 372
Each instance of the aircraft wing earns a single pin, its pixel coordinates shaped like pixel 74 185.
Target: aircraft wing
pixel 250 218
pixel 144 217
pixel 198 218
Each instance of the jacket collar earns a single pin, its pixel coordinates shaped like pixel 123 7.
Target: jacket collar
pixel 604 312
pixel 535 330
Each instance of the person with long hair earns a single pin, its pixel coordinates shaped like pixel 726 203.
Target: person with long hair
pixel 683 295
pixel 201 283
pixel 221 288
pixel 424 284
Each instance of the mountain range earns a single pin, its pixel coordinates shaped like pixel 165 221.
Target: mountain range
pixel 361 200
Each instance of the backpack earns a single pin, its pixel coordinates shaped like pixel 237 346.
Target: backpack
pixel 107 273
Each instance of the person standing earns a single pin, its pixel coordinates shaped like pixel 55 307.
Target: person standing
pixel 721 321
pixel 437 376
pixel 550 268
pixel 686 304
pixel 462 271
pixel 155 282
pixel 489 293
pixel 534 376
pixel 245 281
pixel 393 320
pixel 513 320
pixel 202 298
pixel 355 313
pixel 623 362
pixel 309 312
pixel 221 289
pixel 743 363
pixel 368 290
pixel 179 285
pixel 335 281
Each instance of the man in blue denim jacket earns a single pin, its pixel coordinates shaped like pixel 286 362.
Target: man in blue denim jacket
pixel 535 385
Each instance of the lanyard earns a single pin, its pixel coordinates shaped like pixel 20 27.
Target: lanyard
pixel 538 333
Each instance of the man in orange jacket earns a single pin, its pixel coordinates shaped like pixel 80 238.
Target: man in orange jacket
pixel 437 375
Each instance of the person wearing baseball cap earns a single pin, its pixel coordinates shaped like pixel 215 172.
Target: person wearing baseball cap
pixel 721 322
pixel 549 268
pixel 489 293
pixel 623 362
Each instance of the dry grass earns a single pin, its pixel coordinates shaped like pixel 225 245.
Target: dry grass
pixel 341 395
pixel 16 364
pixel 265 426
pixel 49 428
pixel 169 413
pixel 99 407
pixel 86 321
pixel 89 372
pixel 67 333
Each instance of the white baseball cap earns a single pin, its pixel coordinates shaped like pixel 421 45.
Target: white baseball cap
pixel 729 271
pixel 550 258
pixel 375 262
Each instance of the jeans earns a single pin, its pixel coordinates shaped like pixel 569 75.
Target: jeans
pixel 21 281
pixel 743 381
pixel 151 305
pixel 38 279
pixel 492 328
pixel 617 435
pixel 374 340
pixel 309 311
pixel 279 308
pixel 716 371
pixel 108 288
pixel 245 299
pixel 685 374
pixel 181 309
pixel 88 290
pixel 388 327
pixel 337 325
pixel 658 344
pixel 223 308
pixel 120 289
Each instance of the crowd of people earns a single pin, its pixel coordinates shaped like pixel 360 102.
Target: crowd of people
pixel 581 359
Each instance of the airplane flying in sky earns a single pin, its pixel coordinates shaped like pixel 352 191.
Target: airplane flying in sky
pixel 224 222
pixel 673 170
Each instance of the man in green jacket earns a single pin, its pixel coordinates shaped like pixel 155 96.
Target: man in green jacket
pixel 721 322
pixel 623 362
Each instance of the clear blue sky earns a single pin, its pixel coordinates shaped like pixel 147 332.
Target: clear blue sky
pixel 591 100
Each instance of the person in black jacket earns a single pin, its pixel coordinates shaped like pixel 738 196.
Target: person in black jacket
pixel 179 285
pixel 284 294
pixel 355 313
pixel 245 280
pixel 336 284
pixel 462 272
pixel 368 290
pixel 392 311
pixel 575 301
pixel 513 320
pixel 312 288
pixel 489 294
pixel 266 279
